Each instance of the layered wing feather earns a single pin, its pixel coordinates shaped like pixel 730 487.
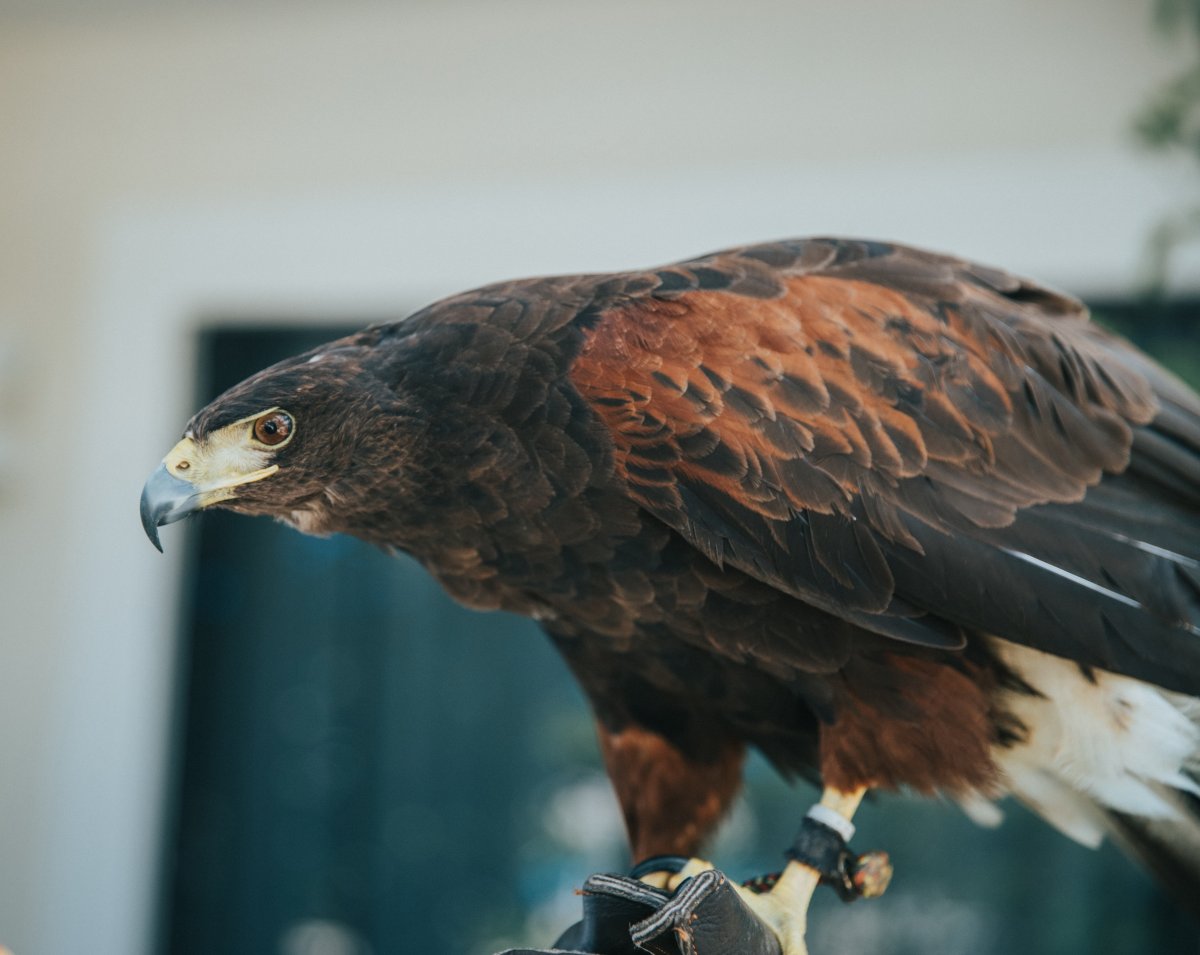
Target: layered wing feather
pixel 914 443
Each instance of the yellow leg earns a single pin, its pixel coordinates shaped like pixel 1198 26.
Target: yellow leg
pixel 666 879
pixel 844 804
pixel 785 907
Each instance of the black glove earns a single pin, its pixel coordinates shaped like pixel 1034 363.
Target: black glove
pixel 622 916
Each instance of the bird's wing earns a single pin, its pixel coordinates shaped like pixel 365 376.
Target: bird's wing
pixel 912 442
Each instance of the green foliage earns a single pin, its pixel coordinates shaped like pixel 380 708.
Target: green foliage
pixel 1177 15
pixel 1170 123
pixel 1172 118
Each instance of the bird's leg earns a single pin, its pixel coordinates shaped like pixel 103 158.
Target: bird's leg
pixel 670 799
pixel 785 907
pixel 820 854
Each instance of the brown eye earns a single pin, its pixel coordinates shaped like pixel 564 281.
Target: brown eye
pixel 274 428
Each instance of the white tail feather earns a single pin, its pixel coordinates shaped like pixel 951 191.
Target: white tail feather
pixel 1096 742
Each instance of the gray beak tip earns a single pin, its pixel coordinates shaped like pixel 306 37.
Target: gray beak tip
pixel 149 524
pixel 165 499
pixel 152 533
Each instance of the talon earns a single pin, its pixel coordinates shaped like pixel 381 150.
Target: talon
pixel 657 879
pixel 870 874
pixel 819 855
pixel 784 908
pixel 865 876
pixel 822 844
pixel 668 872
pixel 691 868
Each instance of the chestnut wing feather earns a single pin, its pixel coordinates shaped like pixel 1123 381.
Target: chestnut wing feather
pixel 912 442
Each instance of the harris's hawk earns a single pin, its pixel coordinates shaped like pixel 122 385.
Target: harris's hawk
pixel 893 518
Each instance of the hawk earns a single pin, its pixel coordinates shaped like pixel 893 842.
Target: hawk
pixel 895 519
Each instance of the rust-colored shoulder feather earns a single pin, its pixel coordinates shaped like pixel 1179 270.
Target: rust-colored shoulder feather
pixel 861 426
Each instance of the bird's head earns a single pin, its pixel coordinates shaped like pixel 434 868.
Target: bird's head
pixel 295 441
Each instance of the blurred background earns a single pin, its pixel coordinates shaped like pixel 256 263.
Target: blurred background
pixel 264 743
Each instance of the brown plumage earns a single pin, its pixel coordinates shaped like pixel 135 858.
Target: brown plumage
pixel 803 496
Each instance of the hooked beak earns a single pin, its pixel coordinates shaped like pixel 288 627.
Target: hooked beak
pixel 194 476
pixel 166 499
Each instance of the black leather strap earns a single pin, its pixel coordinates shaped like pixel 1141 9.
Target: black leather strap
pixel 852 877
pixel 818 847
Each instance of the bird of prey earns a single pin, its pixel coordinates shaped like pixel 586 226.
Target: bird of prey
pixel 895 519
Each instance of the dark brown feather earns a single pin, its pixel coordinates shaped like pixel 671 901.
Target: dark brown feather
pixel 671 800
pixel 777 496
pixel 872 431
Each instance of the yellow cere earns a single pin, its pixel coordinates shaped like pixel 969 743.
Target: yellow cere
pixel 225 460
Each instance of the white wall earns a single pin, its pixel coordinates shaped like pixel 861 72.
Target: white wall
pixel 158 165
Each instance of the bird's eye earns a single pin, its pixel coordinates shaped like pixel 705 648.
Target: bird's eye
pixel 273 429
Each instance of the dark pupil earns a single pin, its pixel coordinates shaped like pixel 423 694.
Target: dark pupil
pixel 274 429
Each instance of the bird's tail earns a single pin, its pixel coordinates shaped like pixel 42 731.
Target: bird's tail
pixel 1168 847
pixel 1167 843
pixel 1106 756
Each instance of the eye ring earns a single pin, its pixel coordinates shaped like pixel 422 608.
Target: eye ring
pixel 274 429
